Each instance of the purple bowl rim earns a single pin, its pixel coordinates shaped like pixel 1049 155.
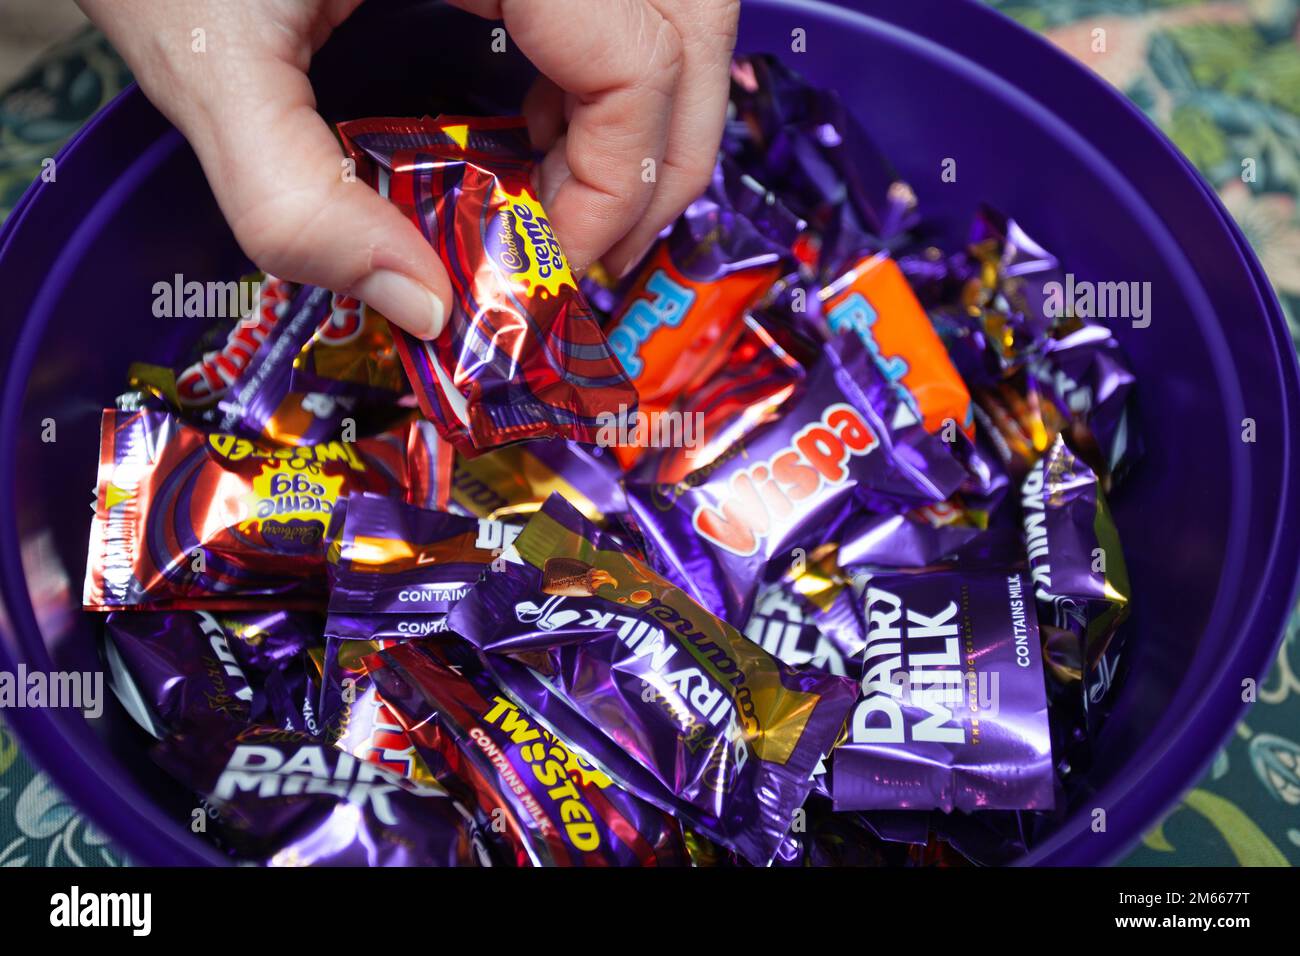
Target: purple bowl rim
pixel 110 810
pixel 135 829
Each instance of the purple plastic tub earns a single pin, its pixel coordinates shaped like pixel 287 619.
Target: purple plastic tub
pixel 1213 551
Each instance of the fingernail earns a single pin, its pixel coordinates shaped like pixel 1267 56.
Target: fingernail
pixel 635 260
pixel 410 304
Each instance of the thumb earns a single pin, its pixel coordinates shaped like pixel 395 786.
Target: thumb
pixel 279 177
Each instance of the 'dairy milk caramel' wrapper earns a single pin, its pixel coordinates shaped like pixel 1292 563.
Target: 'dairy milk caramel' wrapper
pixel 522 356
pixel 189 519
pixel 953 710
pixel 671 702
pixel 846 443
pixel 557 808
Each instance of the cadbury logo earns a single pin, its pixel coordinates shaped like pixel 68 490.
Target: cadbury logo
pixel 766 495
pixel 509 253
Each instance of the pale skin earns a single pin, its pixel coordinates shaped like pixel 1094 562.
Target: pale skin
pixel 622 82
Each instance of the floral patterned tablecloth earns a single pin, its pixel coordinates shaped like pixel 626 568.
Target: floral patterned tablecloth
pixel 1222 78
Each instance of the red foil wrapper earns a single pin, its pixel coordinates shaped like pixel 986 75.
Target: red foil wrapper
pixel 522 355
pixel 188 519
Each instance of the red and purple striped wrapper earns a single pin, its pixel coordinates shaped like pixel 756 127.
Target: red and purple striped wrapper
pixel 522 355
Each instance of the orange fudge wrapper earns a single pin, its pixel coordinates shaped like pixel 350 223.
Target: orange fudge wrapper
pixel 874 301
pixel 680 320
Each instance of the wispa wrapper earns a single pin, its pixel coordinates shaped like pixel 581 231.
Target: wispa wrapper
pixel 953 712
pixel 285 798
pixel 845 443
pixel 678 323
pixel 673 703
pixel 218 521
pixel 559 810
pixel 175 670
pixel 1077 567
pixel 522 355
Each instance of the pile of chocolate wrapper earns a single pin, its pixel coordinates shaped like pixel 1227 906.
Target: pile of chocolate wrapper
pixel 790 547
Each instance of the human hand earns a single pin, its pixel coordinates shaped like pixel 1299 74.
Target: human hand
pixel 623 82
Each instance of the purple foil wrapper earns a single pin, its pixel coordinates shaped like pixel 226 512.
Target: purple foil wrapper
pixel 674 704
pixel 796 630
pixel 912 539
pixel 987 301
pixel 953 713
pixel 1002 306
pixel 801 143
pixel 293 692
pixel 970 527
pixel 511 482
pixel 592 470
pixel 1077 567
pixel 177 670
pixel 288 799
pixel 253 403
pixel 1087 379
pixel 846 443
pixel 394 558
